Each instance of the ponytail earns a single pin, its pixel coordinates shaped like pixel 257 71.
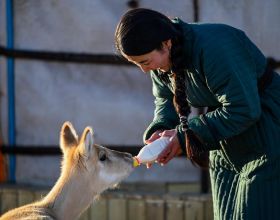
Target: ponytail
pixel 195 149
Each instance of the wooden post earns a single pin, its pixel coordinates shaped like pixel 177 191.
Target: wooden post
pixel 117 208
pixel 99 209
pixel 208 208
pixel 40 194
pixel 9 199
pixel 194 209
pixel 136 208
pixel 25 196
pixel 174 209
pixel 155 208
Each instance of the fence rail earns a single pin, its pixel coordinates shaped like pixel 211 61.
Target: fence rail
pixel 111 59
pixel 123 204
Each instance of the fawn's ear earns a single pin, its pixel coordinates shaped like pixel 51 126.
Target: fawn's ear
pixel 68 136
pixel 87 142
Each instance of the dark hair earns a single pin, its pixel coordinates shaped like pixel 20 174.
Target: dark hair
pixel 141 31
pixel 194 147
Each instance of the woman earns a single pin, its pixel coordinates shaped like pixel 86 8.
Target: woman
pixel 214 66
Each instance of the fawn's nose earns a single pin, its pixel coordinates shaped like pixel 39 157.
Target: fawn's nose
pixel 127 156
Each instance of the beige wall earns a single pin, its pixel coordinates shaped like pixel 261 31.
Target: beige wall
pixel 115 100
pixel 259 19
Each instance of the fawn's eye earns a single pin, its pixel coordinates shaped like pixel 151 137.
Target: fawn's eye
pixel 102 156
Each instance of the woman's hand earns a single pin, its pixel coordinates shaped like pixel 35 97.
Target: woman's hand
pixel 153 137
pixel 173 148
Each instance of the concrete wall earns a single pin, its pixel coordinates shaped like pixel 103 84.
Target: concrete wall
pixel 259 19
pixel 115 100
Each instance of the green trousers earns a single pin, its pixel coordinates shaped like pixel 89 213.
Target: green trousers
pixel 253 193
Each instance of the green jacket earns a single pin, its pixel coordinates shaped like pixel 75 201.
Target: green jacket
pixel 223 71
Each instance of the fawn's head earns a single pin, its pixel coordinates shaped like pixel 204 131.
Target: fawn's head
pixel 100 167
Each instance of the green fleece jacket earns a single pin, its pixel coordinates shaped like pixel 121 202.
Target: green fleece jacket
pixel 242 132
pixel 223 71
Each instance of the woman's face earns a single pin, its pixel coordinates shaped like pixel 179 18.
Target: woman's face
pixel 154 60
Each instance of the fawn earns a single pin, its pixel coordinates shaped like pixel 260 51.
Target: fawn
pixel 87 170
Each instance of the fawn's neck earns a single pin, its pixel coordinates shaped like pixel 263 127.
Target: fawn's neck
pixel 70 196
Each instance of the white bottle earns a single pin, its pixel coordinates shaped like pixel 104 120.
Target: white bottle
pixel 150 152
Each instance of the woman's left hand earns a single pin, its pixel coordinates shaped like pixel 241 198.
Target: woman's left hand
pixel 173 148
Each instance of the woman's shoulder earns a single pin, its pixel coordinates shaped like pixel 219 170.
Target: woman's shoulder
pixel 200 35
pixel 212 35
pixel 212 26
pixel 203 26
pixel 213 30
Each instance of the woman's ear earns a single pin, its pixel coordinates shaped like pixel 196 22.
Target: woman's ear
pixel 167 44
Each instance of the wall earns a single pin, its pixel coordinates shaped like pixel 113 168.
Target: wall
pixel 259 19
pixel 115 100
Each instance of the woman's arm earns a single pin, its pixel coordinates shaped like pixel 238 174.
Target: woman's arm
pixel 229 65
pixel 165 116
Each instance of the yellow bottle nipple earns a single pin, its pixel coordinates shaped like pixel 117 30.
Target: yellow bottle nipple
pixel 136 162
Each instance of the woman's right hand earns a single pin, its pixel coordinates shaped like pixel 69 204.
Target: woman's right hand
pixel 153 137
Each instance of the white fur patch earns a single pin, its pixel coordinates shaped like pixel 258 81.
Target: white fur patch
pixel 109 178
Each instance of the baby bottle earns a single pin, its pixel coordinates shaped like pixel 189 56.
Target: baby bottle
pixel 150 152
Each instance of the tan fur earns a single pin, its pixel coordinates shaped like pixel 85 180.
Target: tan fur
pixel 87 170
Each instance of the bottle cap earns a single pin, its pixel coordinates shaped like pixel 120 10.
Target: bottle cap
pixel 136 162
